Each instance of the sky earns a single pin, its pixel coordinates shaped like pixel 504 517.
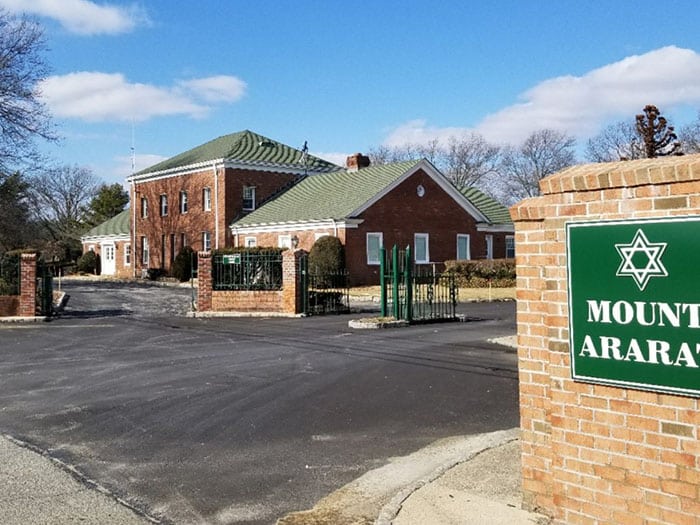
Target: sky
pixel 163 76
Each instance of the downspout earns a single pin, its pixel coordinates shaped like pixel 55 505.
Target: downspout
pixel 335 228
pixel 216 207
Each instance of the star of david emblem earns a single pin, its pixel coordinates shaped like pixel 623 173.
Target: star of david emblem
pixel 646 264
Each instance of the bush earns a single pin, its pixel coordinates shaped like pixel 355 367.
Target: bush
pixel 500 273
pixel 327 262
pixel 88 262
pixel 183 264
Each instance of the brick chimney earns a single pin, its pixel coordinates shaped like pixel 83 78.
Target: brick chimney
pixel 356 161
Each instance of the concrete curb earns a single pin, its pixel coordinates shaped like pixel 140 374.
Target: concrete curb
pixel 492 440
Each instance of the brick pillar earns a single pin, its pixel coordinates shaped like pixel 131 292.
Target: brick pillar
pixel 291 281
pixel 593 453
pixel 204 281
pixel 27 297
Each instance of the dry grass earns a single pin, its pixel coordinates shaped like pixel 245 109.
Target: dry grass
pixel 465 294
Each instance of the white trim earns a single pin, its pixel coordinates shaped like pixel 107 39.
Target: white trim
pixel 379 250
pixel 495 228
pixel 284 241
pixel 438 178
pixel 205 190
pixel 247 242
pixel 425 236
pixel 100 238
pixel 295 226
pixel 128 251
pixel 469 247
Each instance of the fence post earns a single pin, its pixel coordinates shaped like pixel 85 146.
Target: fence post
pixel 408 275
pixel 382 278
pixel 204 282
pixel 292 293
pixel 395 281
pixel 27 287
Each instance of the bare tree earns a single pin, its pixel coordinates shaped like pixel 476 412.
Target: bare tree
pixel 689 136
pixel 465 160
pixel 23 116
pixel 61 197
pixel 618 141
pixel 659 139
pixel 542 153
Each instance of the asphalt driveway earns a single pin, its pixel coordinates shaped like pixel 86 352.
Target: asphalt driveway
pixel 242 420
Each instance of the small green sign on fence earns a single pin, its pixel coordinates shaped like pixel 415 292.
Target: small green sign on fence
pixel 634 303
pixel 231 259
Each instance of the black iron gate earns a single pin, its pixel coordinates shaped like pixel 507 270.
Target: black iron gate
pixel 323 293
pixel 44 289
pixel 415 292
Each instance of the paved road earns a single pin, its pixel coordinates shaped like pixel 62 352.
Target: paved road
pixel 242 420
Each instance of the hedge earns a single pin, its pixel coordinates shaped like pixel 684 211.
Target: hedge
pixel 500 273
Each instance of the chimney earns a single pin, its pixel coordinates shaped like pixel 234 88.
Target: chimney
pixel 356 162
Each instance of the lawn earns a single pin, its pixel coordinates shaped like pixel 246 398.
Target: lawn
pixel 465 294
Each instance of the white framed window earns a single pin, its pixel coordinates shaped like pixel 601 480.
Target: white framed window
pixel 251 242
pixel 284 241
pixel 183 202
pixel 489 246
pixel 144 251
pixel 163 205
pixel 463 247
pixel 248 198
pixel 421 248
pixel 510 247
pixel 375 241
pixel 206 241
pixel 206 199
pixel 127 255
pixel 144 207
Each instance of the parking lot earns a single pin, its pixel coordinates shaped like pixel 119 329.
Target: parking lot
pixel 240 420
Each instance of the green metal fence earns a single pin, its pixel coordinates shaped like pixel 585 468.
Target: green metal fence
pixel 247 271
pixel 415 292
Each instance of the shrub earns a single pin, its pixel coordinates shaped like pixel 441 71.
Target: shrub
pixel 183 264
pixel 89 262
pixel 327 262
pixel 500 273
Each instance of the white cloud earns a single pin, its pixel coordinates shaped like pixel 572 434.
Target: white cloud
pixel 82 16
pixel 221 88
pixel 579 105
pixel 122 167
pixel 96 97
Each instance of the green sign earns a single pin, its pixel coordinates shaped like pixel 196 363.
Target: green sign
pixel 231 259
pixel 634 303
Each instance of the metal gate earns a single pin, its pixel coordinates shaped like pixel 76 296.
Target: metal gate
pixel 323 293
pixel 44 289
pixel 415 292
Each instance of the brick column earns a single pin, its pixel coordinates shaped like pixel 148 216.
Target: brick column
pixel 291 281
pixel 593 453
pixel 27 297
pixel 204 281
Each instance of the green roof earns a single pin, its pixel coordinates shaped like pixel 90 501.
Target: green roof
pixel 327 196
pixel 494 211
pixel 244 146
pixel 116 226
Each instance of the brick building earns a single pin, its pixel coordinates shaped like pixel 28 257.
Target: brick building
pixel 190 199
pixel 111 240
pixel 408 204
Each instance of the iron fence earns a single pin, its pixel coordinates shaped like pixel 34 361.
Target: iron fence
pixel 324 293
pixel 247 271
pixel 44 289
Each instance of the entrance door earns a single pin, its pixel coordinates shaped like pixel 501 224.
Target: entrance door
pixel 109 266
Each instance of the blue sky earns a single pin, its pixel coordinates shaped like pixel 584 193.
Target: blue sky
pixel 347 76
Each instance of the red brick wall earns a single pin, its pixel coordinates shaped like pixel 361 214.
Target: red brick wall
pixel 27 293
pixel 593 453
pixel 9 305
pixel 307 238
pixel 230 185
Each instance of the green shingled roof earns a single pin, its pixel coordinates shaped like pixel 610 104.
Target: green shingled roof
pixel 494 211
pixel 114 227
pixel 244 146
pixel 327 196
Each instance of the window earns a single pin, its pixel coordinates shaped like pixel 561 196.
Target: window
pixel 463 248
pixel 183 202
pixel 284 241
pixel 248 198
pixel 183 240
pixel 163 205
pixel 144 207
pixel 206 241
pixel 421 251
pixel 251 242
pixel 374 244
pixel 206 199
pixel 489 246
pixel 510 247
pixel 127 255
pixel 144 251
